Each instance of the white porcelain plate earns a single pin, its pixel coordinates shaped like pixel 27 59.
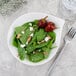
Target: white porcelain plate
pixel 30 17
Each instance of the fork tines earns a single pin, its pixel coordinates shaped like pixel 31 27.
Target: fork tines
pixel 72 32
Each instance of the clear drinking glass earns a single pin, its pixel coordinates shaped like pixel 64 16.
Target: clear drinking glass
pixel 67 9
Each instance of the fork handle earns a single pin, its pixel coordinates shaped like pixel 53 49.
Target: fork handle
pixel 57 58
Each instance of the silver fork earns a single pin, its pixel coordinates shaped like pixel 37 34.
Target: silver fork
pixel 68 37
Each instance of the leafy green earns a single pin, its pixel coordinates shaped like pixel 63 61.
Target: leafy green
pixel 41 34
pixel 36 57
pixel 21 52
pixel 46 51
pixel 47 48
pixel 34 50
pixel 35 22
pixel 53 35
pixel 25 36
pixel 26 24
pixel 41 45
pixel 50 43
pixel 15 41
pixel 30 49
pixel 21 28
pixel 33 39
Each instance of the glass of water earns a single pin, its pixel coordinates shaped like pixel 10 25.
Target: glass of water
pixel 67 9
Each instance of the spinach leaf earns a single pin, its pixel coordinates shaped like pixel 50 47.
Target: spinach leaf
pixel 36 57
pixel 21 52
pixel 15 41
pixel 25 36
pixel 46 51
pixel 33 39
pixel 41 45
pixel 30 49
pixel 21 28
pixel 41 34
pixel 50 43
pixel 52 35
pixel 35 22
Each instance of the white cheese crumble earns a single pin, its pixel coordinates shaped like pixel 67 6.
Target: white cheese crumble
pixel 27 43
pixel 38 42
pixel 39 50
pixel 46 39
pixel 25 51
pixel 30 24
pixel 22 32
pixel 33 52
pixel 22 45
pixel 32 35
pixel 31 28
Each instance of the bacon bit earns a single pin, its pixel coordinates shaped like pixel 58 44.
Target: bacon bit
pixel 18 36
pixel 29 39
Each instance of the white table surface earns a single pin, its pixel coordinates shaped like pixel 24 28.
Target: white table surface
pixel 9 66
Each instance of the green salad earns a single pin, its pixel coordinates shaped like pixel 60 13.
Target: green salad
pixel 34 40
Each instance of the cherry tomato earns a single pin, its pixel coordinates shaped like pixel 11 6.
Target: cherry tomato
pixel 42 23
pixel 50 27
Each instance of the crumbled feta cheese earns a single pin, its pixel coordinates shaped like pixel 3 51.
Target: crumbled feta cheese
pixel 38 42
pixel 27 43
pixel 22 32
pixel 46 39
pixel 30 24
pixel 31 35
pixel 31 28
pixel 25 51
pixel 22 45
pixel 33 52
pixel 39 50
